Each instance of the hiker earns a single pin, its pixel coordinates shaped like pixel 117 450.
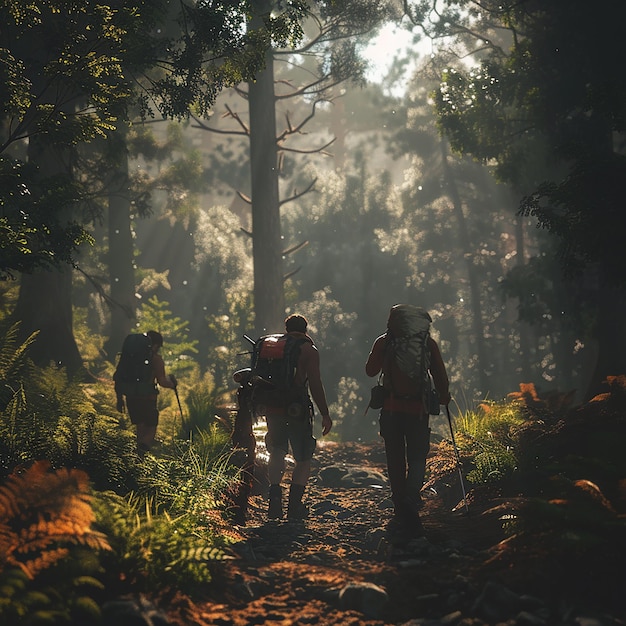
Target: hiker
pixel 293 424
pixel 404 417
pixel 141 394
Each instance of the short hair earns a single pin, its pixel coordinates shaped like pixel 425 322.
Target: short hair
pixel 296 323
pixel 155 337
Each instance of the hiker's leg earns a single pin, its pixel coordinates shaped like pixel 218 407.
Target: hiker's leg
pixel 277 444
pixel 296 510
pixel 276 466
pixel 417 448
pixel 301 473
pixel 303 446
pixel 392 433
pixel 417 445
pixel 144 414
pixel 146 434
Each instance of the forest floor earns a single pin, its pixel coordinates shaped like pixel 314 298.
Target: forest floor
pixel 343 565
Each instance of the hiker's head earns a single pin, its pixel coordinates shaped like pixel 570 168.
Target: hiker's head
pixel 296 324
pixel 156 339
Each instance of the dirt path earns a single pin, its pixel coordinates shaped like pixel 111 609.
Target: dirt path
pixel 341 566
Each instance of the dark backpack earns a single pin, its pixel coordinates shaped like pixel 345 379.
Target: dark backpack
pixel 274 362
pixel 134 375
pixel 407 344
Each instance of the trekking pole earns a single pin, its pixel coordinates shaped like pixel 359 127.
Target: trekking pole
pixel 458 459
pixel 180 408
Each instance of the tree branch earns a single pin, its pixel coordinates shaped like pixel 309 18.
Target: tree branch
pixel 295 248
pixel 299 194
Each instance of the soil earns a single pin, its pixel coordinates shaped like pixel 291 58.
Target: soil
pixel 286 573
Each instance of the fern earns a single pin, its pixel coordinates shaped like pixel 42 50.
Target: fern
pixel 42 511
pixel 50 417
pixel 489 438
pixel 156 550
pixel 15 365
pixel 67 593
pixel 201 401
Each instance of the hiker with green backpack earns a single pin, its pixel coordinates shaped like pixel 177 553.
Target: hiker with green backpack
pixel 407 358
pixel 140 368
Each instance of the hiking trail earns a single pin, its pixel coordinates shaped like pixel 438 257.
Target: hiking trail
pixel 342 566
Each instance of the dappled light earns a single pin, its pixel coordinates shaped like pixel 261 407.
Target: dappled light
pixel 181 178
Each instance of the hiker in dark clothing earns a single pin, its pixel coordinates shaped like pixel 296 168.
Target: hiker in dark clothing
pixel 284 430
pixel 142 409
pixel 404 421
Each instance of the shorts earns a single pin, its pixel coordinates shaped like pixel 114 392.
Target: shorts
pixel 283 431
pixel 143 410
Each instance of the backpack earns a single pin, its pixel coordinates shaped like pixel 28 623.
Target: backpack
pixel 273 367
pixel 134 375
pixel 407 343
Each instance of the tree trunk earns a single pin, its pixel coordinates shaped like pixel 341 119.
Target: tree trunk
pixel 45 299
pixel 269 299
pixel 474 283
pixel 121 273
pixel 525 335
pixel 611 337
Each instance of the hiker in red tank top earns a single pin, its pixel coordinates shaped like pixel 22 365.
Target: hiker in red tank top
pixel 285 431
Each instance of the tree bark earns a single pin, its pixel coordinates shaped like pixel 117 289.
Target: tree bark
pixel 611 337
pixel 45 299
pixel 120 257
pixel 269 299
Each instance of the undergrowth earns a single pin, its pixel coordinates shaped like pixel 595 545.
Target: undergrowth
pixel 488 436
pixel 82 517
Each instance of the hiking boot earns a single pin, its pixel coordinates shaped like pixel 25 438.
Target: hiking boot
pixel 297 512
pixel 142 449
pixel 275 510
pixel 414 504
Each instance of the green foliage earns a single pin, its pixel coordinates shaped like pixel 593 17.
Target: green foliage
pixel 58 52
pixel 15 366
pixel 488 437
pixel 227 332
pixel 215 52
pixel 333 331
pixel 47 416
pixel 155 551
pixel 65 594
pixel 201 401
pixel 200 462
pixel 169 533
pixel 177 347
pixel 351 422
pixel 545 111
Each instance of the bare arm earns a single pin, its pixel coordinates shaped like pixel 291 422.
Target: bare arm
pixel 316 387
pixel 376 357
pixel 159 373
pixel 439 374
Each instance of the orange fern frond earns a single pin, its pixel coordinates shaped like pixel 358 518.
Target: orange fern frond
pixel 46 559
pixel 41 510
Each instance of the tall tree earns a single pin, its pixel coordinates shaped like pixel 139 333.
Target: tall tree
pixel 70 71
pixel 326 57
pixel 73 90
pixel 269 299
pixel 555 94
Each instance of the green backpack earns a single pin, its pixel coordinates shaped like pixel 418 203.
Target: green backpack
pixel 407 342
